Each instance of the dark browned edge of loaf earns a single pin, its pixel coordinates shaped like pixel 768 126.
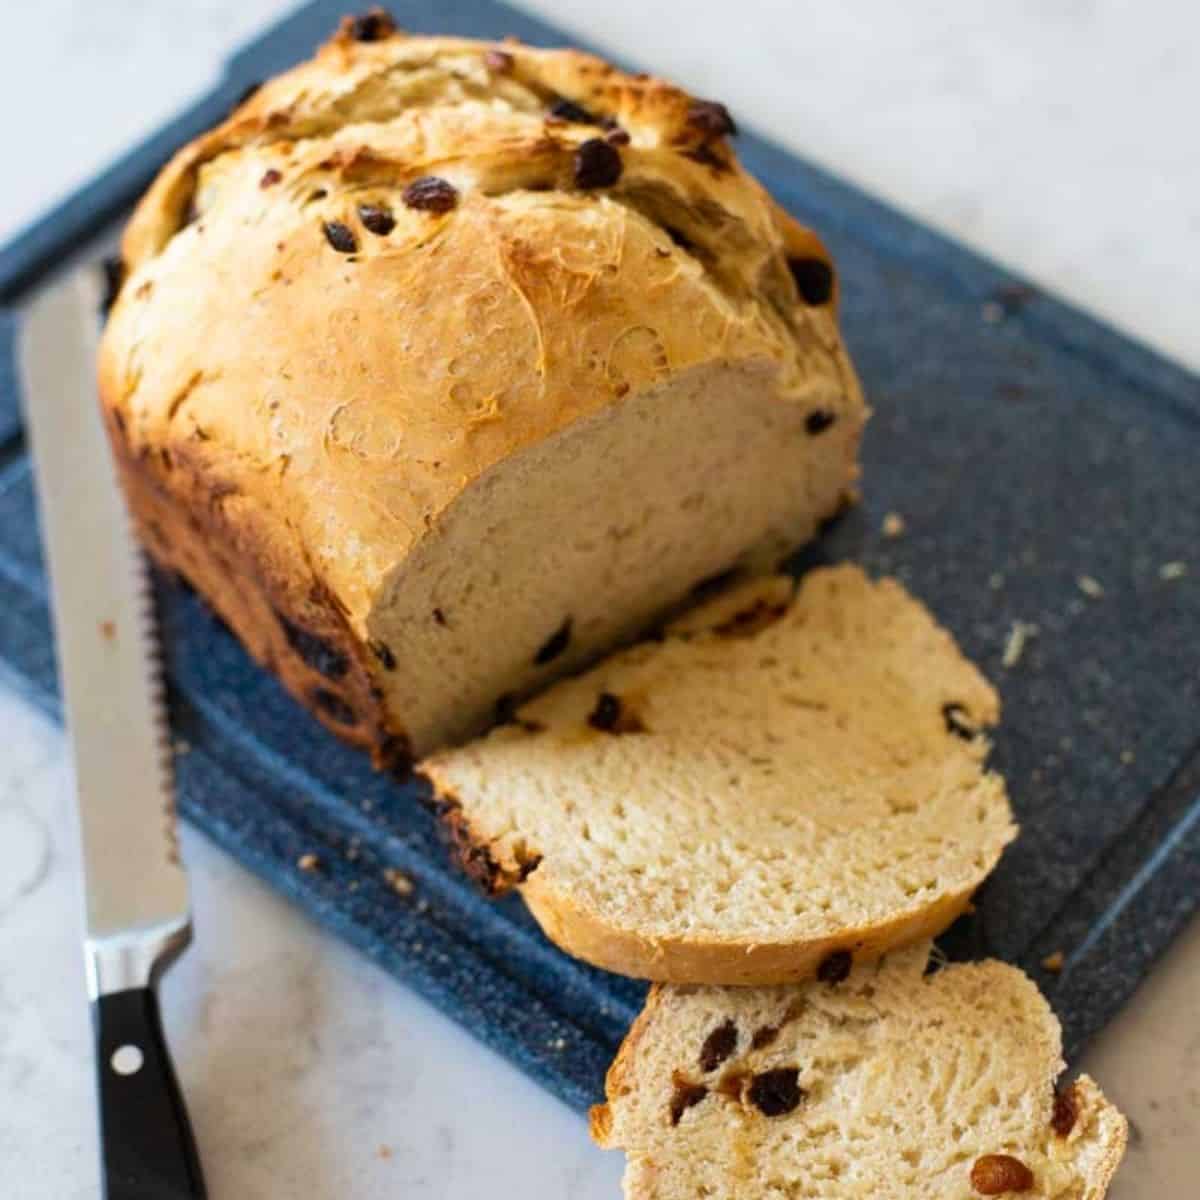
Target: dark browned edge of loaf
pixel 269 608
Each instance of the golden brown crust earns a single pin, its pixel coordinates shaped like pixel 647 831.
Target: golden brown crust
pixel 585 935
pixel 272 388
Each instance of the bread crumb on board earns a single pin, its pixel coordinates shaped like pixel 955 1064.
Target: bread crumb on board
pixel 894 525
pixel 1014 645
pixel 1054 962
pixel 1090 587
pixel 384 1151
pixel 398 882
pixel 1172 570
pixel 308 862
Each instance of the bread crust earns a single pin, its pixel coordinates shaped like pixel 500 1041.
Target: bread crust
pixel 736 963
pixel 264 391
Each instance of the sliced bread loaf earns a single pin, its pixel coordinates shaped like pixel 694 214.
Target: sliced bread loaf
pixel 442 367
pixel 890 1085
pixel 784 780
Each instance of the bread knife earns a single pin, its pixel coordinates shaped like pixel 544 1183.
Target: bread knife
pixel 137 909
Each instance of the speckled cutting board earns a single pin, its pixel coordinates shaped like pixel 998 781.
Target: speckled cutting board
pixel 1026 448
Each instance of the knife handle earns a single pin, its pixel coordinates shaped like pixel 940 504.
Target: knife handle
pixel 147 1145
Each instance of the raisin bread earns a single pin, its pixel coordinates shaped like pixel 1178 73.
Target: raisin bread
pixel 443 366
pixel 884 1085
pixel 779 780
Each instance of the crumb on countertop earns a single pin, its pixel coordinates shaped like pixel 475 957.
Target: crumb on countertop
pixel 398 881
pixel 1127 756
pixel 1172 570
pixel 995 581
pixel 1090 587
pixel 1054 962
pixel 1014 645
pixel 308 862
pixel 893 525
pixel 384 1151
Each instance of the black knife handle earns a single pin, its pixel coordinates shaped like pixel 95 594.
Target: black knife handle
pixel 147 1145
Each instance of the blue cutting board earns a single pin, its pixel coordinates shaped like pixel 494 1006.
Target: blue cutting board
pixel 1024 444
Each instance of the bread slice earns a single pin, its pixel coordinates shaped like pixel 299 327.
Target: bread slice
pixel 781 779
pixel 442 367
pixel 889 1085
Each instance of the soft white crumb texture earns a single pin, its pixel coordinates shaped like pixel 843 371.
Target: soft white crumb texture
pixel 787 783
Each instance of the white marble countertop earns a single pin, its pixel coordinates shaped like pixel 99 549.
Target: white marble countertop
pixel 1056 138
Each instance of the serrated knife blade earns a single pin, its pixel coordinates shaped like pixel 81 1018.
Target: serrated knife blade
pixel 137 904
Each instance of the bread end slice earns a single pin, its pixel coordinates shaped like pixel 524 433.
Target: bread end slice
pixel 891 1083
pixel 790 777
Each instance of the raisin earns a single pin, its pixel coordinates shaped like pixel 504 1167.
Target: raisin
pixel 567 110
pixel 732 1085
pixel 383 652
pixel 776 1092
pixel 314 651
pixel 270 178
pixel 439 617
pixel 607 712
pixel 687 1095
pixel 611 716
pixel 499 61
pixel 814 280
pixel 957 722
pixel 818 421
pixel 372 26
pixel 334 707
pixel 718 1046
pixel 114 275
pixel 711 118
pixel 377 219
pixel 1066 1111
pixel 340 237
pixel 430 194
pixel 597 164
pixel 996 1173
pixel 704 153
pixel 835 967
pixel 555 644
pixel 763 1037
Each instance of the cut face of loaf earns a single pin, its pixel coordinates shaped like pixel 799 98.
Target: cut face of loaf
pixel 785 783
pixel 889 1085
pixel 439 386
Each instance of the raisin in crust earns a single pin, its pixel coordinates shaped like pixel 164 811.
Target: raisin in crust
pixel 338 410
pixel 895 1084
pixel 766 794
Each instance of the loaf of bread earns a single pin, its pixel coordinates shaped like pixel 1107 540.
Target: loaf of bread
pixel 779 785
pixel 887 1085
pixel 443 366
